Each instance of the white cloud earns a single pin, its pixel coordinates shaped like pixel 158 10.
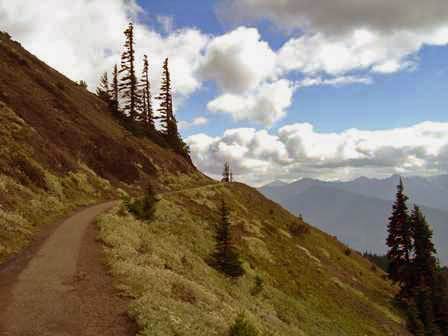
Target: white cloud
pixel 238 60
pixel 83 38
pixel 266 104
pixel 297 150
pixel 341 36
pixel 199 121
pixel 340 16
pixel 337 81
pixel 358 50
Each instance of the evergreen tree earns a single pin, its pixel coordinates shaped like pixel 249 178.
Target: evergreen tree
pixel 103 90
pixel 423 298
pixel 168 125
pixel 226 173
pixel 399 241
pixel 424 263
pixel 414 324
pixel 83 84
pixel 145 87
pixel 128 85
pixel 225 257
pixel 114 93
pixel 440 301
pixel 168 120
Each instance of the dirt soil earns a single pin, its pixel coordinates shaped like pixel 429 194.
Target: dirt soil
pixel 61 287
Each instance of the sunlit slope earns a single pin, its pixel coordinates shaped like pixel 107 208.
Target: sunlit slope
pixel 313 285
pixel 60 148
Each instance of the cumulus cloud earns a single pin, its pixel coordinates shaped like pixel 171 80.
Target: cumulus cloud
pixel 238 60
pixel 341 36
pixel 199 121
pixel 340 16
pixel 265 105
pixel 84 38
pixel 298 150
pixel 359 50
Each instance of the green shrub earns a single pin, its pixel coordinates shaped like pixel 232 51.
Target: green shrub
pixel 83 84
pixel 258 287
pixel 243 327
pixel 297 229
pixel 143 208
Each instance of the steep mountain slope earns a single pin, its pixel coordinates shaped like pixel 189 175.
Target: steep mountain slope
pixel 313 285
pixel 60 148
pixel 357 211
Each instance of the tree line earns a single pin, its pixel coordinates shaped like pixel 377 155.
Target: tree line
pixel 414 267
pixel 129 98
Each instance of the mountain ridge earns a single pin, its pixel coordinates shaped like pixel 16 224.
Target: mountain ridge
pixel 363 232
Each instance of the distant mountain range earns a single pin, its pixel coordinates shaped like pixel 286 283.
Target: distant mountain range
pixel 357 211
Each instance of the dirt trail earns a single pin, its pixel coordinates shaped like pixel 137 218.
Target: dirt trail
pixel 63 289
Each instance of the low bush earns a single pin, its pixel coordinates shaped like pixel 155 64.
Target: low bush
pixel 243 327
pixel 298 229
pixel 143 208
pixel 258 287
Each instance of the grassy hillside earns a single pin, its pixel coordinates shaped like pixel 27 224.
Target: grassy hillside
pixel 60 149
pixel 313 285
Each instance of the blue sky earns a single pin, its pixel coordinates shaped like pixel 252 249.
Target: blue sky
pixel 392 100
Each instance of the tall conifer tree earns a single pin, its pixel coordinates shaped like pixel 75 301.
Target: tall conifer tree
pixel 399 241
pixel 128 85
pixel 440 301
pixel 145 88
pixel 167 121
pixel 114 93
pixel 424 263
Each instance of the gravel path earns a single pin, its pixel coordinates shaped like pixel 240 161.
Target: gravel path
pixel 63 288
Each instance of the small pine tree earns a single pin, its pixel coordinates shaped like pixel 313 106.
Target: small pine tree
pixel 103 90
pixel 114 93
pixel 145 88
pixel 225 256
pixel 399 241
pixel 83 84
pixel 128 85
pixel 226 173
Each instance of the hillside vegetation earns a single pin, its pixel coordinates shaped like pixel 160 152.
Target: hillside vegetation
pixel 61 149
pixel 311 283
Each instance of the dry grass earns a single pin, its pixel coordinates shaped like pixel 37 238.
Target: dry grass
pixel 310 286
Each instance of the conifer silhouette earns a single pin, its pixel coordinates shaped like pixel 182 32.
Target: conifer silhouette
pixel 399 241
pixel 114 93
pixel 168 122
pixel 145 89
pixel 226 174
pixel 103 90
pixel 128 84
pixel 225 257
